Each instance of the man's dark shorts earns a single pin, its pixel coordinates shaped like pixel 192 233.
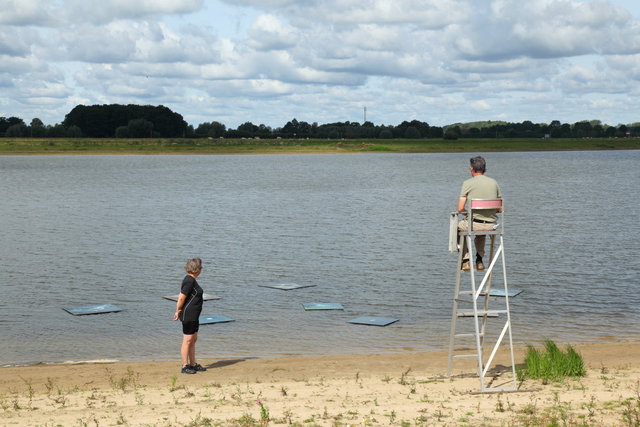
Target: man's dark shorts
pixel 190 328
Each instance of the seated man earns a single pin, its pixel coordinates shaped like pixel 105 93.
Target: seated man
pixel 478 186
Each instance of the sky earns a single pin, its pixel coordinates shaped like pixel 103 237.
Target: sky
pixel 270 61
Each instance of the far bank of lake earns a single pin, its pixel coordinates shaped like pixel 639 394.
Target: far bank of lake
pixel 10 146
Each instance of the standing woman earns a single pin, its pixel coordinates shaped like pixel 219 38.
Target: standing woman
pixel 188 311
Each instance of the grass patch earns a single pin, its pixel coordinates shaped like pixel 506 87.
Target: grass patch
pixel 552 363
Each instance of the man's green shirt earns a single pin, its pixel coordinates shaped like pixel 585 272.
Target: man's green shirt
pixel 482 187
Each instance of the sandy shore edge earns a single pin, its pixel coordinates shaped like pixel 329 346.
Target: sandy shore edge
pixel 380 389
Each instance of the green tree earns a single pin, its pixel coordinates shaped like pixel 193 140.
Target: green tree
pixel 140 128
pixel 247 130
pixel 37 129
pixel 597 131
pixel 74 132
pixel 6 123
pixel 18 130
pixel 582 129
pixel 264 131
pixel 369 130
pixel 620 133
pixel 217 130
pixel 101 121
pixel 452 133
pixel 352 130
pixel 386 134
pixel 291 129
pixel 212 130
pixel 56 131
pixel 122 132
pixel 412 132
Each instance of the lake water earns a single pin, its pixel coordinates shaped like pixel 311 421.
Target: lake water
pixel 369 231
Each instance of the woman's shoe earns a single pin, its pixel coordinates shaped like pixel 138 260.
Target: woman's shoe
pixel 198 367
pixel 188 370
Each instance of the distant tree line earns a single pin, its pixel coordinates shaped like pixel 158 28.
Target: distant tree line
pixel 15 127
pixel 146 121
pixel 555 129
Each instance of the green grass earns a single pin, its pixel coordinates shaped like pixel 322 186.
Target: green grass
pixel 278 146
pixel 551 363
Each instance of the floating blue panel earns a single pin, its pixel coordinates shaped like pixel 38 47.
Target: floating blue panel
pixel 374 321
pixel 501 293
pixel 323 306
pixel 205 320
pixel 83 310
pixel 286 286
pixel 206 297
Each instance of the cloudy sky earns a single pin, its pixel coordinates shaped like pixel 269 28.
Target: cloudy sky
pixel 269 61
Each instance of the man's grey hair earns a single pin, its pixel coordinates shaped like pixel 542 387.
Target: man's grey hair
pixel 193 266
pixel 478 164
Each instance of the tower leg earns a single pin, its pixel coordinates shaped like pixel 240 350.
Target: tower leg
pixel 479 297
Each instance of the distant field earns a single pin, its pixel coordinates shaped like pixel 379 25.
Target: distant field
pixel 292 146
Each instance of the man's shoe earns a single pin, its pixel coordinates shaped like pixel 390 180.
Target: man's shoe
pixel 198 367
pixel 479 266
pixel 188 370
pixel 465 266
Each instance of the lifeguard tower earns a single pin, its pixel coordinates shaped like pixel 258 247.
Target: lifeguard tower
pixel 478 331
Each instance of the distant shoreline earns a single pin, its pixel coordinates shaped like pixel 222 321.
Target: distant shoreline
pixel 98 360
pixel 176 146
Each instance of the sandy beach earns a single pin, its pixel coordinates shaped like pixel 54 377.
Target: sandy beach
pixel 391 389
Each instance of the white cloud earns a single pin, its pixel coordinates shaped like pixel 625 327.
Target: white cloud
pixel 18 41
pixel 105 11
pixel 375 37
pixel 16 65
pixel 627 68
pixel 480 105
pixel 114 43
pixel 580 80
pixel 60 13
pixel 267 4
pixel 45 90
pixel 434 14
pixel 268 32
pixel 26 12
pixel 157 43
pixel 549 29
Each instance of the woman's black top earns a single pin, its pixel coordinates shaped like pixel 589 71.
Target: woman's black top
pixel 193 305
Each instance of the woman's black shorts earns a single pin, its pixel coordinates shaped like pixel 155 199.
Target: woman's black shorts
pixel 190 327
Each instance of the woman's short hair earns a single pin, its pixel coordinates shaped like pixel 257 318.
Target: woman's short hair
pixel 478 164
pixel 193 265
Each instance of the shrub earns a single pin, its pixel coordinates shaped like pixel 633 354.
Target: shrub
pixel 552 363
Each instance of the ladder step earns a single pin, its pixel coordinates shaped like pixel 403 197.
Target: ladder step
pixel 464 356
pixel 467 335
pixel 481 294
pixel 488 313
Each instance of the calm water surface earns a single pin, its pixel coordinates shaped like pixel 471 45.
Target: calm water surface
pixel 369 231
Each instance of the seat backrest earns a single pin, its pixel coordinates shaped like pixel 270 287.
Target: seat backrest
pixel 485 204
pixel 479 204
